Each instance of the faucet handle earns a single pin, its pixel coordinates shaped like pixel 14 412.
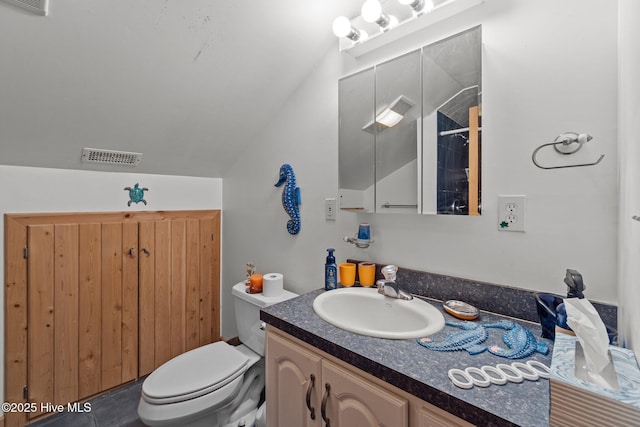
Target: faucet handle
pixel 389 272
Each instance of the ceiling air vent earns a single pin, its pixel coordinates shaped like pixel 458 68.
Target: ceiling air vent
pixel 40 7
pixel 111 157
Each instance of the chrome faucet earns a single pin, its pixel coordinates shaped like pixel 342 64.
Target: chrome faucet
pixel 389 287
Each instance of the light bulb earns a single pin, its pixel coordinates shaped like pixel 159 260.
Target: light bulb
pixel 428 5
pixel 418 6
pixel 371 11
pixel 341 26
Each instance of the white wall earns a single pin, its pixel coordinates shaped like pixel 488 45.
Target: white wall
pixel 393 189
pixel 629 106
pixel 303 134
pixel 548 67
pixel 31 190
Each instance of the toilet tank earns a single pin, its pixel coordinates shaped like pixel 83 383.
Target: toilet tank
pixel 247 308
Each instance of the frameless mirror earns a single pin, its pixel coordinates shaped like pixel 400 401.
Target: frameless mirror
pixel 451 101
pixel 356 148
pixel 396 129
pixel 409 132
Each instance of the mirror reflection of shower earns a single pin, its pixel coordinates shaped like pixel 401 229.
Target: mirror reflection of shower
pixel 457 123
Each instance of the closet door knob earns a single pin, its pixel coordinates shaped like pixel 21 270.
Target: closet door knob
pixel 132 252
pixel 146 251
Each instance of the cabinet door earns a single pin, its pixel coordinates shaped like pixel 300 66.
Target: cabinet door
pixel 178 288
pixel 82 335
pixel 351 401
pixel 427 415
pixel 293 384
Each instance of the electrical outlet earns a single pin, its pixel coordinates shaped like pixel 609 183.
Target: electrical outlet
pixel 330 209
pixel 511 213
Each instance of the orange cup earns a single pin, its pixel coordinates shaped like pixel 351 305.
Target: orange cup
pixel 367 273
pixel 347 273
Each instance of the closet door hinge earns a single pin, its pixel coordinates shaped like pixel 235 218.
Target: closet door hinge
pixel 25 393
pixel 25 252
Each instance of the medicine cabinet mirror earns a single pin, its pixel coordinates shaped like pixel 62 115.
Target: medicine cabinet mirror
pixel 409 131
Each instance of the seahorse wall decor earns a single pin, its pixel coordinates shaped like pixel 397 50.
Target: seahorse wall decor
pixel 290 197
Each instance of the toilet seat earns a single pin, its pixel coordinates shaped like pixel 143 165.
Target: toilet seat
pixel 195 373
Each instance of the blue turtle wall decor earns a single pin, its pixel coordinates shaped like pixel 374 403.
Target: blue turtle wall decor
pixel 290 197
pixel 136 194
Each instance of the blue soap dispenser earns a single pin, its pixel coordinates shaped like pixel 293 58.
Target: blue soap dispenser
pixel 330 272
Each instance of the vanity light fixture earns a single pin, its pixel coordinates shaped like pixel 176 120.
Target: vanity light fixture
pixel 372 13
pixel 342 28
pixel 419 6
pixel 375 28
pixel 390 116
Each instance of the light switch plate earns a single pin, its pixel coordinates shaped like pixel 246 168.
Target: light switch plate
pixel 511 211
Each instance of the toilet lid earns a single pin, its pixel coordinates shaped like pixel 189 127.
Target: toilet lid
pixel 195 373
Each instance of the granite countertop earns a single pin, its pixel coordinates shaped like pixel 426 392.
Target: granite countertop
pixel 423 372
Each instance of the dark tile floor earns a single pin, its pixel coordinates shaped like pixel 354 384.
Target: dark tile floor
pixel 116 408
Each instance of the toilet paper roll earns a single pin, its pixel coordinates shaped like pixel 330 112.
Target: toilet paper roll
pixel 272 285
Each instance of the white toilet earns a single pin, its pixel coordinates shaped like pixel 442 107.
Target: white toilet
pixel 217 384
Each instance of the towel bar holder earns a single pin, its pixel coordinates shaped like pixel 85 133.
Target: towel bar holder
pixel 564 144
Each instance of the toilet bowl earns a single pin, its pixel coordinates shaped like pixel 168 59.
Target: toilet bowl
pixel 216 384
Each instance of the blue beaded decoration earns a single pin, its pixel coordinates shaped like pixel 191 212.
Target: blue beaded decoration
pixel 290 197
pixel 520 343
pixel 470 338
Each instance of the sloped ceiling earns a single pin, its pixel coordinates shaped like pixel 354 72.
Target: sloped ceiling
pixel 188 83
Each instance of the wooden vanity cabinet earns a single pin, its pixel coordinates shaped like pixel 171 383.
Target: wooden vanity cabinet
pixel 297 376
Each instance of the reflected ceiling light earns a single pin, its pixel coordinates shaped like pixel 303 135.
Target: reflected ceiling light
pixel 342 28
pixel 390 116
pixel 418 6
pixel 372 12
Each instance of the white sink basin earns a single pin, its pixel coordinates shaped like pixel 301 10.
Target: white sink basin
pixel 366 312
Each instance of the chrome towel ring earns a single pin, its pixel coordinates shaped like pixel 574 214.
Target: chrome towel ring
pixel 565 144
